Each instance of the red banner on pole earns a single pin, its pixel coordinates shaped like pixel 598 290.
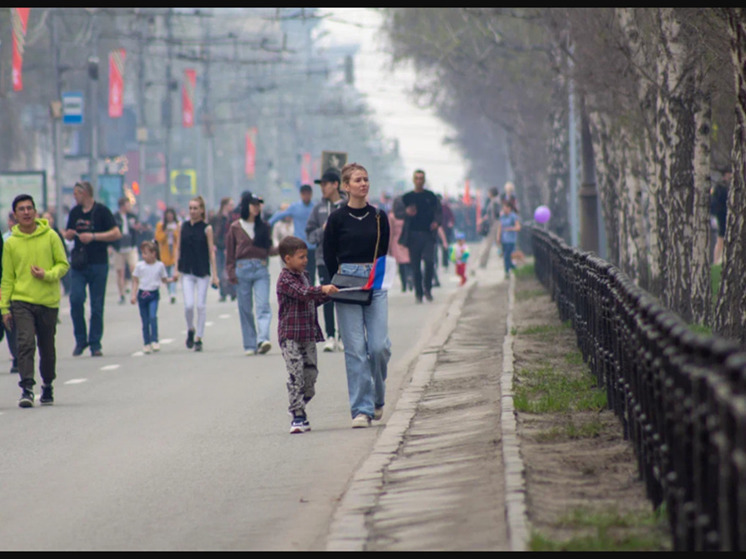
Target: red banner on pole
pixel 19 19
pixel 116 82
pixel 467 193
pixel 305 169
pixel 251 152
pixel 187 98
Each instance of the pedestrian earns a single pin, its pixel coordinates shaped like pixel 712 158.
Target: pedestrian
pixel 147 277
pixel 282 228
pixel 719 209
pixel 49 216
pixel 10 335
pixel 197 268
pixel 298 328
pixel 300 211
pixel 248 247
pixel 489 222
pixel 92 226
pixel 34 260
pixel 332 200
pixel 167 233
pixel 398 250
pixel 355 235
pixel 507 233
pixel 423 218
pixel 220 223
pixel 125 248
pixel 459 254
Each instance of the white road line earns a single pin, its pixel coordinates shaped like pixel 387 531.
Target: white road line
pixel 75 381
pixel 209 324
pixel 167 341
pixel 138 354
pixel 224 316
pixel 109 367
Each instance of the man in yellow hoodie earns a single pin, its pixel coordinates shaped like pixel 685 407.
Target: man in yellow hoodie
pixel 34 260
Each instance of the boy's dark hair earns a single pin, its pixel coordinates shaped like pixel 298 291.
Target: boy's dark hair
pixel 306 188
pixel 122 201
pixel 22 198
pixel 290 245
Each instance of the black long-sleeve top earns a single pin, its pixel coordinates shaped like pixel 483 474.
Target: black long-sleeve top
pixel 350 236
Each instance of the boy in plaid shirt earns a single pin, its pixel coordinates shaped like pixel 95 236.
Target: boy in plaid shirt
pixel 298 327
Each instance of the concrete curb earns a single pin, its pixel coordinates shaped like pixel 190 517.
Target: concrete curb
pixel 515 486
pixel 348 530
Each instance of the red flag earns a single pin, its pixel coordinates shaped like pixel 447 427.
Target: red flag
pixel 467 193
pixel 305 169
pixel 251 152
pixel 19 19
pixel 116 82
pixel 187 98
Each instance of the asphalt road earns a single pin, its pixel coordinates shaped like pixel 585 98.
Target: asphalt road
pixel 180 450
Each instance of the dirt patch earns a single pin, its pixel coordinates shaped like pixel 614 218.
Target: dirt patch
pixel 582 482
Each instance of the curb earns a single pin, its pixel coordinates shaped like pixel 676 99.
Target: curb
pixel 515 485
pixel 348 530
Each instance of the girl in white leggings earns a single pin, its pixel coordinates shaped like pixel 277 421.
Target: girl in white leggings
pixel 197 267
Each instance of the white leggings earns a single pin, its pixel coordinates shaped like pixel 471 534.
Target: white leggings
pixel 188 284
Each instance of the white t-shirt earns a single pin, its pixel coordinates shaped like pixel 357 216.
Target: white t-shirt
pixel 150 275
pixel 248 226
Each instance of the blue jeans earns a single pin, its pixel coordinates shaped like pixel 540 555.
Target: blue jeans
pixel 365 336
pixel 94 277
pixel 253 287
pixel 148 303
pixel 171 286
pixel 507 252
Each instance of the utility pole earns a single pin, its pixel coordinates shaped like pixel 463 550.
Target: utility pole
pixel 573 206
pixel 167 112
pixel 56 110
pixel 207 122
pixel 589 229
pixel 142 130
pixel 93 75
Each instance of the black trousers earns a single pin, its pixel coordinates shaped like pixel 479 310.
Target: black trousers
pixel 422 249
pixel 35 325
pixel 311 267
pixel 324 279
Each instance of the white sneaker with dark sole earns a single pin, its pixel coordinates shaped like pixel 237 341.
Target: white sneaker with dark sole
pixel 264 347
pixel 361 420
pixel 330 345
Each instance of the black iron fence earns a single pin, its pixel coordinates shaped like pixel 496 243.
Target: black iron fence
pixel 681 397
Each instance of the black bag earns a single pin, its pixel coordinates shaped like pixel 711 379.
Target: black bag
pixel 79 257
pixel 484 227
pixel 358 296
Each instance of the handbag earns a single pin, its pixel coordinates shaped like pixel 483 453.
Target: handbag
pixel 79 257
pixel 362 297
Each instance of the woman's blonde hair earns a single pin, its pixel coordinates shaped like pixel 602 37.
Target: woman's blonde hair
pixel 201 203
pixel 350 168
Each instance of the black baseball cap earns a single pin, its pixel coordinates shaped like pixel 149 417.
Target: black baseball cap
pixel 330 175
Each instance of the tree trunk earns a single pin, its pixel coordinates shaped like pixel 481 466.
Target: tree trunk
pixel 730 312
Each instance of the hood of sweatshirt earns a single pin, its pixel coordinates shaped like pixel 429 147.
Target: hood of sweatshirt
pixel 42 227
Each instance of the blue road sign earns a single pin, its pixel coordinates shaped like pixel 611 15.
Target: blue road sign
pixel 72 107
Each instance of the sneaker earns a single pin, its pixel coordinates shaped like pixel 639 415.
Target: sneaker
pixel 79 349
pixel 298 425
pixel 97 353
pixel 121 300
pixel 198 345
pixel 190 339
pixel 147 349
pixel 330 345
pixel 264 347
pixel 429 297
pixel 47 398
pixel 156 346
pixel 361 420
pixel 14 369
pixel 249 352
pixel 378 413
pixel 340 345
pixel 173 300
pixel 27 399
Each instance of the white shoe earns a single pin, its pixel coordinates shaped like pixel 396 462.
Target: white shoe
pixel 156 346
pixel 249 352
pixel 361 420
pixel 340 345
pixel 330 345
pixel 146 348
pixel 264 347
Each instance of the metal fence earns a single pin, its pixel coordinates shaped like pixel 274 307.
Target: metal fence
pixel 681 397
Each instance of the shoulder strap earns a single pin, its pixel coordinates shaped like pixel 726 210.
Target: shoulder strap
pixel 378 235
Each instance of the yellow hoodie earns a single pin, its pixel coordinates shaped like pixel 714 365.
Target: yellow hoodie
pixel 42 248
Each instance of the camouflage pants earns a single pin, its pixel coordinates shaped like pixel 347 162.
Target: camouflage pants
pixel 300 361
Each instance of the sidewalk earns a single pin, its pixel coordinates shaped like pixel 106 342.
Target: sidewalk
pixel 445 473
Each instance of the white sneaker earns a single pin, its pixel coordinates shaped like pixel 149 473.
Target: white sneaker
pixel 156 346
pixel 340 345
pixel 361 420
pixel 330 345
pixel 249 352
pixel 264 347
pixel 146 348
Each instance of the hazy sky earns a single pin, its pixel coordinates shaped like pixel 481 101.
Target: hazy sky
pixel 419 132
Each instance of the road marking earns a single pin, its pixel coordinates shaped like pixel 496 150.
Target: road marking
pixel 224 316
pixel 138 354
pixel 75 381
pixel 167 341
pixel 209 324
pixel 109 367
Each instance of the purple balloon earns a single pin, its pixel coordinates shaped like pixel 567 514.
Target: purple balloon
pixel 542 214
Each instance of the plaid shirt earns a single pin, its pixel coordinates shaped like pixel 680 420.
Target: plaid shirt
pixel 298 300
